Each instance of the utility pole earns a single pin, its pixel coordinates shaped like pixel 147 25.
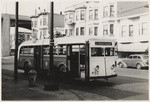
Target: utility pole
pixel 16 45
pixel 52 83
pixel 51 59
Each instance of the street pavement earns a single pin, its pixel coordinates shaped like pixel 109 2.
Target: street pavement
pixel 131 84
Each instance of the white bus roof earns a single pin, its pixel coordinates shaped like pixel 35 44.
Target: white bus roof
pixel 67 40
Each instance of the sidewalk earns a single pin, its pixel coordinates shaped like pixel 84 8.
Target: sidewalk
pixel 20 90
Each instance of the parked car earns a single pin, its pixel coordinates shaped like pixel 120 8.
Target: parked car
pixel 136 60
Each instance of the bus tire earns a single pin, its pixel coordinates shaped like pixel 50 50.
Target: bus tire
pixel 26 68
pixel 62 71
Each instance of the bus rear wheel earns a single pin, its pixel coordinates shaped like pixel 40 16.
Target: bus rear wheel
pixel 62 72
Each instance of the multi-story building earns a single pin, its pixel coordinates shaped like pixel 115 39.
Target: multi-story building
pixel 132 27
pixel 82 19
pixel 23 35
pixel 40 23
pixel 125 21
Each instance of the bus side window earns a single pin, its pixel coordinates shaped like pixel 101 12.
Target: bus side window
pixel 21 50
pixel 31 50
pixel 46 50
pixel 62 50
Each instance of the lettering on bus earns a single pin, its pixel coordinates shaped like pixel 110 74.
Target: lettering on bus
pixel 96 70
pixel 103 43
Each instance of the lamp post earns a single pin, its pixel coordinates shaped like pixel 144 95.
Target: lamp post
pixel 16 45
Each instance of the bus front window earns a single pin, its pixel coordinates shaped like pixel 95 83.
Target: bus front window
pixel 97 52
pixel 109 52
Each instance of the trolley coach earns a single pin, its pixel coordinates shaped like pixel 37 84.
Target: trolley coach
pixel 83 57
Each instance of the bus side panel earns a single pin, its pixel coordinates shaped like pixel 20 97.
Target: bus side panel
pixel 45 61
pixel 109 62
pixel 57 60
pixel 23 59
pixel 97 67
pixel 60 59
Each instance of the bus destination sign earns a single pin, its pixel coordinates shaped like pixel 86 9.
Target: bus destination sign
pixel 103 43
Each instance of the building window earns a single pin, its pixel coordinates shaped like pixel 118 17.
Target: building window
pixel 70 32
pixel 105 29
pixel 111 29
pixel 96 14
pixel 105 11
pixel 144 28
pixel 44 34
pixel 90 14
pixel 77 31
pixel 40 21
pixel 123 34
pixel 35 24
pixel 66 17
pixel 77 15
pixel 82 14
pixel 112 12
pixel 44 21
pixel 32 24
pixel 130 30
pixel 71 16
pixel 82 30
pixel 28 37
pixel 95 30
pixel 90 31
pixel 40 34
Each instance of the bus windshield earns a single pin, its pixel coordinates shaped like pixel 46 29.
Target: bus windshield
pixel 100 51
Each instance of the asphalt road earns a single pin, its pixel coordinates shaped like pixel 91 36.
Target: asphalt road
pixel 131 84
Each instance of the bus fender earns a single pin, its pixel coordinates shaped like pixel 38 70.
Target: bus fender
pixel 61 64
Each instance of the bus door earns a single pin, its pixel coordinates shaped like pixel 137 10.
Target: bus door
pixel 37 57
pixel 97 62
pixel 73 60
pixel 110 59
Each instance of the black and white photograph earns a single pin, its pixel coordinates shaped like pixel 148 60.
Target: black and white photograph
pixel 74 50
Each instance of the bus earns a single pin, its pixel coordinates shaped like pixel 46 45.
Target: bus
pixel 85 58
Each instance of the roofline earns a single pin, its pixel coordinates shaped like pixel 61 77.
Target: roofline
pixel 82 3
pixel 132 16
pixel 12 16
pixel 66 40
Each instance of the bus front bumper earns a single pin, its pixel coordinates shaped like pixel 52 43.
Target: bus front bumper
pixel 105 77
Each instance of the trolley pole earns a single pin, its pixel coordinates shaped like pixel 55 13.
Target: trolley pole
pixel 52 83
pixel 16 46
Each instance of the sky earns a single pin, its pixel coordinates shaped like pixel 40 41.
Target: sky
pixel 27 7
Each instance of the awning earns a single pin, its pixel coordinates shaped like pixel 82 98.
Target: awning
pixel 133 47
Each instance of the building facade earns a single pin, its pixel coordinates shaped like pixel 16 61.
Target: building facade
pixel 23 35
pixel 125 21
pixel 132 28
pixel 40 24
pixel 82 19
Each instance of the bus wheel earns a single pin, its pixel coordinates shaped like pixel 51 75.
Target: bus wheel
pixel 62 72
pixel 26 68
